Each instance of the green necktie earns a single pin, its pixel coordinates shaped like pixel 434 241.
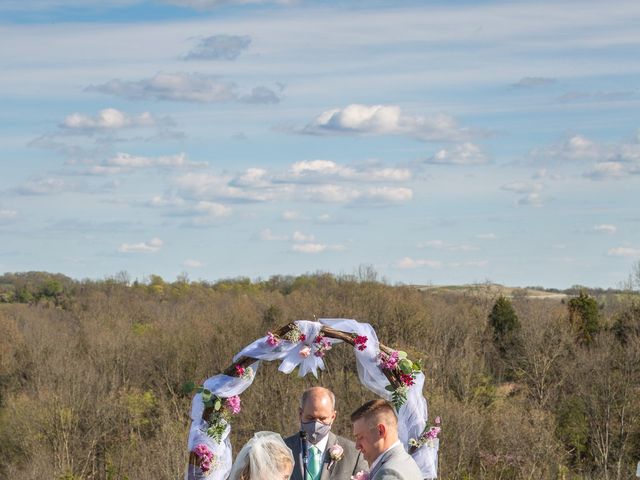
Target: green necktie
pixel 313 469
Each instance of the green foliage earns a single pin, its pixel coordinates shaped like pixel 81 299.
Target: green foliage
pixel 573 427
pixel 503 319
pixel 584 316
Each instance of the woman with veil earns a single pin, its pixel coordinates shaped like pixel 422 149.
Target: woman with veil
pixel 264 457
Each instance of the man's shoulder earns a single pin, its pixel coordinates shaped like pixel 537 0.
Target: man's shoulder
pixel 345 443
pixel 292 440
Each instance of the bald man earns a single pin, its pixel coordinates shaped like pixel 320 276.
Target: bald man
pixel 375 428
pixel 315 441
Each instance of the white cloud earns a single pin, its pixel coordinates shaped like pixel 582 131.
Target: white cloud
pixel 191 263
pixel 183 87
pixel 384 120
pixel 219 47
pixel 522 187
pixel 408 262
pixel 313 170
pixel 472 264
pixel 624 252
pixel 607 170
pixel 301 237
pixel 605 228
pixel 486 236
pixel 212 209
pixel 269 236
pixel 534 82
pixel 44 186
pixel 440 245
pixel 152 246
pixel 108 119
pixel 531 199
pixel 464 154
pixel 7 215
pixel 133 161
pixel 316 247
pixel 291 215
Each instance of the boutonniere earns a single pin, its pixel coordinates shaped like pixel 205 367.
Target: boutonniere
pixel 336 452
pixel 361 475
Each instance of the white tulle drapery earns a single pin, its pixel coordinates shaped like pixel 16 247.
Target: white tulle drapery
pixel 412 416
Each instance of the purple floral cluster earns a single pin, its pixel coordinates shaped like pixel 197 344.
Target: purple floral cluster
pixel 389 362
pixel 205 456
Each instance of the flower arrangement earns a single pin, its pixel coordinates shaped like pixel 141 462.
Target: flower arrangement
pixel 295 335
pixel 360 342
pixel 428 436
pixel 336 452
pixel 245 373
pixel 401 373
pixel 322 346
pixel 205 457
pixel 222 411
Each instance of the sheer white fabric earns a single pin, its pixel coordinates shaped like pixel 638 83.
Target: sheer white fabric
pixel 264 455
pixel 412 417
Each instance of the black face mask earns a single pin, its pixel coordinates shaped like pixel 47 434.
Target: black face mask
pixel 315 430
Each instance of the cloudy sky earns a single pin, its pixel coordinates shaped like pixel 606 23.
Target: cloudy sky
pixel 440 142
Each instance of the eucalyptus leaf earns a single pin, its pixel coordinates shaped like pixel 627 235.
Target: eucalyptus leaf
pixel 402 355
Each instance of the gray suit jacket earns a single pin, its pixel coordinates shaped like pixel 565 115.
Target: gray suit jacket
pixel 351 463
pixel 396 464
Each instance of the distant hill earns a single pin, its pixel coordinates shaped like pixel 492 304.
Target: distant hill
pixel 494 289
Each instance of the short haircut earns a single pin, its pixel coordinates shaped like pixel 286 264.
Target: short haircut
pixel 376 409
pixel 309 391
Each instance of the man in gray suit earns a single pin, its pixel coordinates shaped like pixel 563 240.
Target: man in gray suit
pixel 328 456
pixel 375 428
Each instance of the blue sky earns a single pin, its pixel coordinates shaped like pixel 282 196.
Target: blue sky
pixel 439 142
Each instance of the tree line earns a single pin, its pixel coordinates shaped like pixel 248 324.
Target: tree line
pixel 92 372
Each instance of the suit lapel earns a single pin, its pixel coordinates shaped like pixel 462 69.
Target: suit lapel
pixel 298 473
pixel 383 460
pixel 326 458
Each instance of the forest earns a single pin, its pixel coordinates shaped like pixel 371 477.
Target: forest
pixel 93 372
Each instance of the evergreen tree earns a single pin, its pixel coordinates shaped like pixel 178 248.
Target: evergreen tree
pixel 585 317
pixel 505 325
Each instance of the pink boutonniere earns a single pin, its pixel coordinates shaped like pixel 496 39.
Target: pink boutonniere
pixel 336 452
pixel 361 475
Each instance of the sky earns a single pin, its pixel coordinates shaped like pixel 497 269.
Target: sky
pixel 439 142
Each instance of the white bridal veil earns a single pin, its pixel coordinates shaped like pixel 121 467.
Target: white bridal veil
pixel 264 454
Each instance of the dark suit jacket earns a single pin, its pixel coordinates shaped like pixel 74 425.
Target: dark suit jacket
pixel 351 463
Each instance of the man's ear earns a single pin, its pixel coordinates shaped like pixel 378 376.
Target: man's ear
pixel 382 430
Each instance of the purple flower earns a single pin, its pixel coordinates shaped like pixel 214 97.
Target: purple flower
pixel 389 362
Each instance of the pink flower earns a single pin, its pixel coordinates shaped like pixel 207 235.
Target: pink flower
pixel 305 351
pixel 272 339
pixel 361 475
pixel 302 338
pixel 389 362
pixel 407 379
pixel 205 456
pixel 437 420
pixel 233 404
pixel 239 370
pixel 360 342
pixel 433 433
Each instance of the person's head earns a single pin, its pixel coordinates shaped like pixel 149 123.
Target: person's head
pixel 317 412
pixel 264 457
pixel 375 428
